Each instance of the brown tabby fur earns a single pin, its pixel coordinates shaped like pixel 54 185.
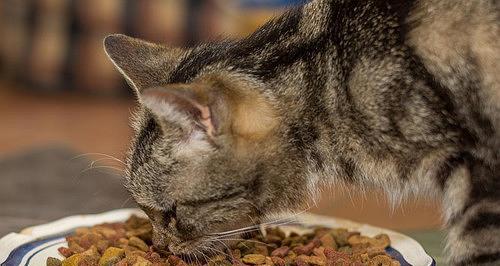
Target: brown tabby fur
pixel 403 95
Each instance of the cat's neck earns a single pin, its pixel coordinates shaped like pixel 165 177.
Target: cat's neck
pixel 347 87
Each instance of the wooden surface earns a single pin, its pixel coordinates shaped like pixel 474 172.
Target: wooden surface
pixel 100 125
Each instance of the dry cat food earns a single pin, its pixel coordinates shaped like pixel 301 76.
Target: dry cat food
pixel 129 244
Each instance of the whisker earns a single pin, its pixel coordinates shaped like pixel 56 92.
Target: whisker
pixel 225 254
pixel 196 256
pixel 125 202
pixel 291 216
pixel 247 240
pixel 99 160
pixel 237 230
pixel 99 154
pixel 255 227
pixel 224 244
pixel 102 167
pixel 204 256
pixel 228 250
pixel 215 241
pixel 277 222
pixel 115 171
pixel 207 258
pixel 216 250
pixel 190 258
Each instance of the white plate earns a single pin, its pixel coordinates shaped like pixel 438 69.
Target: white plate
pixel 33 245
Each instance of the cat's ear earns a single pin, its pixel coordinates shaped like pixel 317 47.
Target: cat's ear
pixel 213 108
pixel 192 107
pixel 143 64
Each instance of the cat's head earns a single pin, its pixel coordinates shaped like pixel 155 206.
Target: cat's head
pixel 210 153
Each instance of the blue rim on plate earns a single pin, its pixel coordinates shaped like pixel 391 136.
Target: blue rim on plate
pixel 46 238
pixel 17 255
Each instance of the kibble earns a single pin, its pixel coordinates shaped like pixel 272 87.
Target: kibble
pixel 254 259
pixel 130 244
pixel 111 256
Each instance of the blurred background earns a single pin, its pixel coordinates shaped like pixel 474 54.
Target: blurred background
pixel 64 109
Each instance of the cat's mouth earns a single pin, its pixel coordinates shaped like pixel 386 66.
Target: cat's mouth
pixel 197 245
pixel 201 249
pixel 208 245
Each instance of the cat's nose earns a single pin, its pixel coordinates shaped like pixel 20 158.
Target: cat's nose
pixel 160 241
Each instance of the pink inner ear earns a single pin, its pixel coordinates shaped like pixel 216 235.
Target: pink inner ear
pixel 205 118
pixel 183 103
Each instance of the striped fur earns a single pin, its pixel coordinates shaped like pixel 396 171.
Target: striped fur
pixel 402 95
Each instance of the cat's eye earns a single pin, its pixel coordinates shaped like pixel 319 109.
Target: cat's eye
pixel 170 214
pixel 160 216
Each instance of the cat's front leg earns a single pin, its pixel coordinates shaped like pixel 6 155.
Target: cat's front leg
pixel 472 203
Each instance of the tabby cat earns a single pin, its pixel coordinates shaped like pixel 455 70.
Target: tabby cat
pixel 402 95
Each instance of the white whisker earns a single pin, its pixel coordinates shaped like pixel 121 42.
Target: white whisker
pixel 277 222
pixel 247 240
pixel 227 248
pixel 239 232
pixel 216 250
pixel 116 169
pixel 125 202
pixel 207 259
pixel 196 256
pixel 98 154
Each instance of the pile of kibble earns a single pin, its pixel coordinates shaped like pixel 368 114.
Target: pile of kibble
pixel 129 244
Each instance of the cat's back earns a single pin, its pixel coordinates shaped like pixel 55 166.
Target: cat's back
pixel 459 42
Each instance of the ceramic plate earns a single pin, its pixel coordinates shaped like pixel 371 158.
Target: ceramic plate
pixel 33 245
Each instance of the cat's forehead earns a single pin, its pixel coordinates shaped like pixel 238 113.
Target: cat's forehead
pixel 148 133
pixel 201 57
pixel 151 165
